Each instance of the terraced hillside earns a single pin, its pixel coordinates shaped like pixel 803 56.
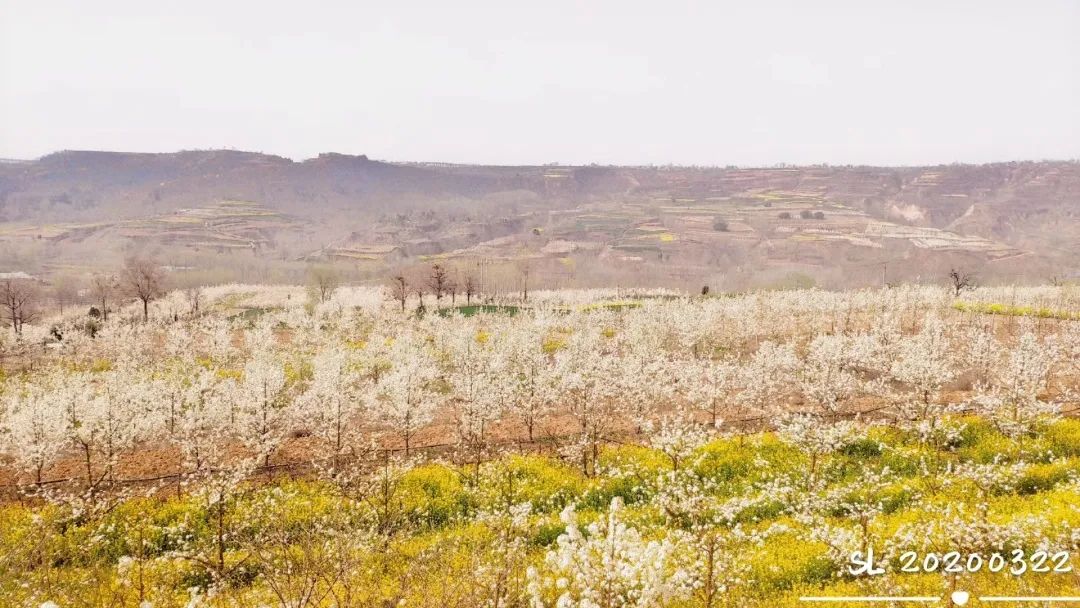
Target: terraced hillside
pixel 562 226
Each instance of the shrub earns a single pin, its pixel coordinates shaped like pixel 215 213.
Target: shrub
pixel 863 449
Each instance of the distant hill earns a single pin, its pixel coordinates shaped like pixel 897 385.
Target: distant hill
pixel 560 225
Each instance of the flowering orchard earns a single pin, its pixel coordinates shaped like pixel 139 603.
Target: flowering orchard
pixel 252 447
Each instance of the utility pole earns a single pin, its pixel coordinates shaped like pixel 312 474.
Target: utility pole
pixel 884 271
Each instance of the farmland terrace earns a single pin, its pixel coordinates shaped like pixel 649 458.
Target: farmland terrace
pixel 733 228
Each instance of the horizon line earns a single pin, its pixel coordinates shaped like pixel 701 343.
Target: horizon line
pixel 775 165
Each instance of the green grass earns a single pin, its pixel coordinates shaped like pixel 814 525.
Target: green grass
pixel 993 308
pixel 474 309
pixel 250 315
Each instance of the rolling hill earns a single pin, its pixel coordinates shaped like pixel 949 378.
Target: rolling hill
pixel 255 216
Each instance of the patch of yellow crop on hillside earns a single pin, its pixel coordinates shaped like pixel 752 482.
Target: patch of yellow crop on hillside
pixel 995 308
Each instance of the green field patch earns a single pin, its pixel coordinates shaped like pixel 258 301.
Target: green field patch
pixel 994 308
pixel 475 309
pixel 251 314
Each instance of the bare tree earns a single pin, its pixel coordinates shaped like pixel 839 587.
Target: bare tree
pixel 20 302
pixel 323 281
pixel 960 281
pixel 400 287
pixel 452 289
pixel 143 279
pixel 65 292
pixel 103 288
pixel 194 297
pixel 439 282
pixel 420 296
pixel 469 287
pixel 523 270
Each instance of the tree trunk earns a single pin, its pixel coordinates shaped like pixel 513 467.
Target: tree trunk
pixel 221 536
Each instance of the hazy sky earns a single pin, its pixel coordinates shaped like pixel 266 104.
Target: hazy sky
pixel 623 82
